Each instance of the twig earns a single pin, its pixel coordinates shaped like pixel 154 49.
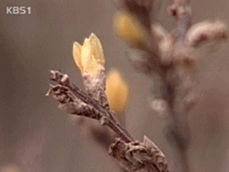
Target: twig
pixel 181 10
pixel 73 92
pixel 132 155
pixel 167 58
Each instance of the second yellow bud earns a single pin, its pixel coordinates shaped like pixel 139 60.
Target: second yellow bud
pixel 129 29
pixel 117 91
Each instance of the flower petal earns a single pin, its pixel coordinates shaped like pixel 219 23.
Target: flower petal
pixel 77 54
pixel 97 49
pixel 86 54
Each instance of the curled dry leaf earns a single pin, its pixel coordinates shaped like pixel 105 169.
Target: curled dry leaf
pixel 68 102
pixel 137 156
pixel 206 31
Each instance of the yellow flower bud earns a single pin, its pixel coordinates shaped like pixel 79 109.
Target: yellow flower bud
pixel 97 49
pixel 117 91
pixel 77 54
pixel 89 57
pixel 128 28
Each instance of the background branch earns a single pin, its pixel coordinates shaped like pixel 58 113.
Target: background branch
pixel 166 58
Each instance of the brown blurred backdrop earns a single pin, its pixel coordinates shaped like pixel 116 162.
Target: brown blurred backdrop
pixel 37 137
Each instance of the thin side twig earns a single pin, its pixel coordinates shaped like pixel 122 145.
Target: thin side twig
pixel 181 10
pixel 167 58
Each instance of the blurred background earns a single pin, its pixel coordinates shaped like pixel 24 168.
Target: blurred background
pixel 36 137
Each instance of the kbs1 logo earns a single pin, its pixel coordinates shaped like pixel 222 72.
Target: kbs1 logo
pixel 18 10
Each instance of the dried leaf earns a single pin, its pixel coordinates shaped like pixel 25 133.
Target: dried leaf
pixel 138 156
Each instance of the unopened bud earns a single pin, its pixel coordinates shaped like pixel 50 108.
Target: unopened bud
pixel 89 57
pixel 129 29
pixel 117 91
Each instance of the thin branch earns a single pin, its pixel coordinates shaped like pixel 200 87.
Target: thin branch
pixel 178 130
pixel 73 92
pixel 165 58
pixel 181 10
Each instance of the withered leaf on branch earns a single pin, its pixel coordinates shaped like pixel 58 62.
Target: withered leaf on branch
pixel 136 156
pixel 68 102
pixel 74 101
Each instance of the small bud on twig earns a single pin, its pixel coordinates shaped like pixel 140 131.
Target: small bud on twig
pixel 89 57
pixel 90 60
